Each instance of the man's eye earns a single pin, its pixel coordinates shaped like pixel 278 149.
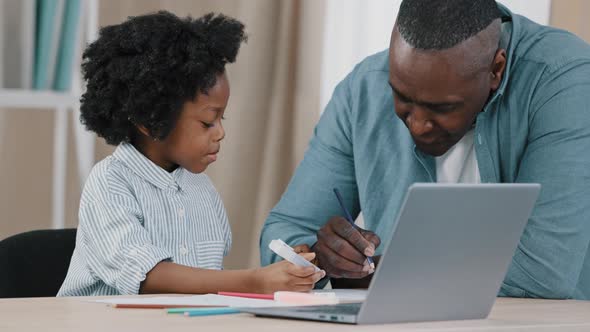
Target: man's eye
pixel 443 109
pixel 401 99
pixel 207 125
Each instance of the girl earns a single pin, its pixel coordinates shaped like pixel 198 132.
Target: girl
pixel 149 220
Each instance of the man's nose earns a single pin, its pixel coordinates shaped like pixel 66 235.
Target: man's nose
pixel 418 123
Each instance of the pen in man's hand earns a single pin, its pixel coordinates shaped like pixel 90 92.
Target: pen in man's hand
pixel 350 220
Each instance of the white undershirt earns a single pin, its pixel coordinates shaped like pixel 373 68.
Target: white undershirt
pixel 459 164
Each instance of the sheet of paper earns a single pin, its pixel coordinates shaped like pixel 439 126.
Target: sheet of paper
pixel 194 300
pixel 344 294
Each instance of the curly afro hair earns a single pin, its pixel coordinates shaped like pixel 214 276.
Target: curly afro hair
pixel 142 71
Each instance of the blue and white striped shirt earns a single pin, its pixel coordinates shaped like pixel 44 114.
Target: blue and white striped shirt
pixel 133 215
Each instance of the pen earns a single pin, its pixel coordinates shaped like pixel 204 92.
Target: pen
pixel 351 221
pixel 282 249
pixel 182 310
pixel 155 306
pixel 210 311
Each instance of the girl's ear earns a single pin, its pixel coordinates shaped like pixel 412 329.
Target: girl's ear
pixel 142 129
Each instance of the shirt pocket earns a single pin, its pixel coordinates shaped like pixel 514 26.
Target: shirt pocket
pixel 210 254
pixel 183 253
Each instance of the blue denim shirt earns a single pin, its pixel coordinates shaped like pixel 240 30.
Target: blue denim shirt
pixel 536 128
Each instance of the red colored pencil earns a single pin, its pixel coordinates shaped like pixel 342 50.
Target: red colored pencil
pixel 249 295
pixel 160 306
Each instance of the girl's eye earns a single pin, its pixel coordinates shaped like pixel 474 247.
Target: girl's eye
pixel 207 125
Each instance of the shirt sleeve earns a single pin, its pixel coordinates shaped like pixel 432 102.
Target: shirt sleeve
pixel 309 200
pixel 118 249
pixel 552 249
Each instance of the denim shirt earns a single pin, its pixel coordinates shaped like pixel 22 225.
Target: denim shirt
pixel 535 128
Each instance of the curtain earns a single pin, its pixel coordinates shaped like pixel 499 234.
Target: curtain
pixel 572 15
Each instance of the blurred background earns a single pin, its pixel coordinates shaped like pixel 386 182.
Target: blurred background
pixel 297 51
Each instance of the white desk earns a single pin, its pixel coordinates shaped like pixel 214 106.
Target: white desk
pixel 75 314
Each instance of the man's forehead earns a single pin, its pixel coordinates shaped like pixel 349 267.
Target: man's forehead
pixel 465 59
pixel 426 76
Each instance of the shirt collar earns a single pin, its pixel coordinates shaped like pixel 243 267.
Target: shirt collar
pixel 147 170
pixel 506 38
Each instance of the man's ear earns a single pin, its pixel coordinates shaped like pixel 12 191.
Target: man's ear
pixel 497 70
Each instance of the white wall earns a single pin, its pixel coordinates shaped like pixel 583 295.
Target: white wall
pixel 536 10
pixel 353 30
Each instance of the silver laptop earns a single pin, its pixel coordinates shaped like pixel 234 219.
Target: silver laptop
pixel 445 260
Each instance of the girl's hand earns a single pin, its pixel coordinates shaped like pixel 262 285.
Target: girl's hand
pixel 286 276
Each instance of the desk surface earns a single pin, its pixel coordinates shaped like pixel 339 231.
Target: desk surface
pixel 76 314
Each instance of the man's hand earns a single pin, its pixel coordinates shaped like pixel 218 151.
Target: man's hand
pixel 342 249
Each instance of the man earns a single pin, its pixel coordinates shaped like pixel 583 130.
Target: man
pixel 468 92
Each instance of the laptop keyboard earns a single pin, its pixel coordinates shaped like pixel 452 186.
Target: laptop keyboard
pixel 343 309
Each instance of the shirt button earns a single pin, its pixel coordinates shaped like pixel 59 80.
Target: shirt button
pixel 181 212
pixel 183 250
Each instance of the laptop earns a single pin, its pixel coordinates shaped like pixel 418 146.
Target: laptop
pixel 445 260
